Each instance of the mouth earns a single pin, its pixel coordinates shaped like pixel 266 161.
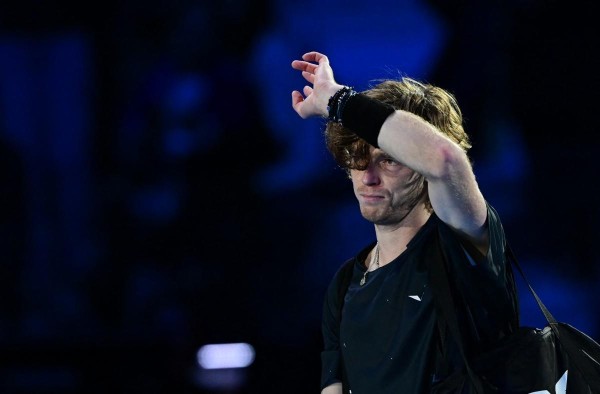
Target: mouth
pixel 370 198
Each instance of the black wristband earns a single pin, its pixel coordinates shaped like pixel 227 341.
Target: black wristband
pixel 365 116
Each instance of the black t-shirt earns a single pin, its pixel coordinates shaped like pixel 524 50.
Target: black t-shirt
pixel 389 336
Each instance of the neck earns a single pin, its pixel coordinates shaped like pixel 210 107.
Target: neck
pixel 393 239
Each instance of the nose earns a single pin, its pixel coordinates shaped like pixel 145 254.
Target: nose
pixel 370 175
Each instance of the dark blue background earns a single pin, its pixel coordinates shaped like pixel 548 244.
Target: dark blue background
pixel 158 192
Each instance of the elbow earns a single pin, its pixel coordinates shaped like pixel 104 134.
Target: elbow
pixel 449 159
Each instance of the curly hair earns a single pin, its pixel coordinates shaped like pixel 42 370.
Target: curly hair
pixel 433 104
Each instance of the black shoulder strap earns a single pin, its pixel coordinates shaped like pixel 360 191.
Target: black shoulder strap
pixel 345 277
pixel 512 259
pixel 444 300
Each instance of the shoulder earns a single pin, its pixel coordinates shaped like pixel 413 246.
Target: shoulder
pixel 336 291
pixel 495 233
pixel 341 279
pixel 467 265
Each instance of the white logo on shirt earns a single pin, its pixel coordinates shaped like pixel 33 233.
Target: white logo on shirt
pixel 418 297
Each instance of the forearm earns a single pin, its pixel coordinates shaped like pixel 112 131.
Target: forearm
pixel 453 189
pixel 419 145
pixel 405 136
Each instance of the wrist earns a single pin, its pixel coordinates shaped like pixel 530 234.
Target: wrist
pixel 329 94
pixel 334 88
pixel 337 101
pixel 359 113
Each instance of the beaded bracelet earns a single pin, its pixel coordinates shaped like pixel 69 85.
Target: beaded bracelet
pixel 359 113
pixel 337 102
pixel 343 100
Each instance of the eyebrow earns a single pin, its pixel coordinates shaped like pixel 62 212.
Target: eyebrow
pixel 382 155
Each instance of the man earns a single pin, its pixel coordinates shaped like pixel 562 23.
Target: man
pixel 404 147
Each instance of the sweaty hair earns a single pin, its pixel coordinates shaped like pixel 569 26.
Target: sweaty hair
pixel 433 104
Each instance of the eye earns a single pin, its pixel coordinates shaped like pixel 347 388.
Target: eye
pixel 388 162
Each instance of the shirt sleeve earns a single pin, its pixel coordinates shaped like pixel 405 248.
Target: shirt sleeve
pixel 485 283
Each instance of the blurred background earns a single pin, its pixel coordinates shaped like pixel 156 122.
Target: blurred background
pixel 159 194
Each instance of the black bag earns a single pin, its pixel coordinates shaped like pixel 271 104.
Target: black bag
pixel 557 359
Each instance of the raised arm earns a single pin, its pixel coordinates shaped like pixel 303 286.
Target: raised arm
pixel 409 139
pixel 453 190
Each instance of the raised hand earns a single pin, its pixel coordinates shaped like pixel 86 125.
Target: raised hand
pixel 314 100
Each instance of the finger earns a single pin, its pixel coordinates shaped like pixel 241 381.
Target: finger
pixel 309 77
pixel 307 91
pixel 315 57
pixel 311 68
pixel 304 66
pixel 299 65
pixel 297 100
pixel 321 59
pixel 323 67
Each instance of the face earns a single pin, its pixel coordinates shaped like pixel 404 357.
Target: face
pixel 386 190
